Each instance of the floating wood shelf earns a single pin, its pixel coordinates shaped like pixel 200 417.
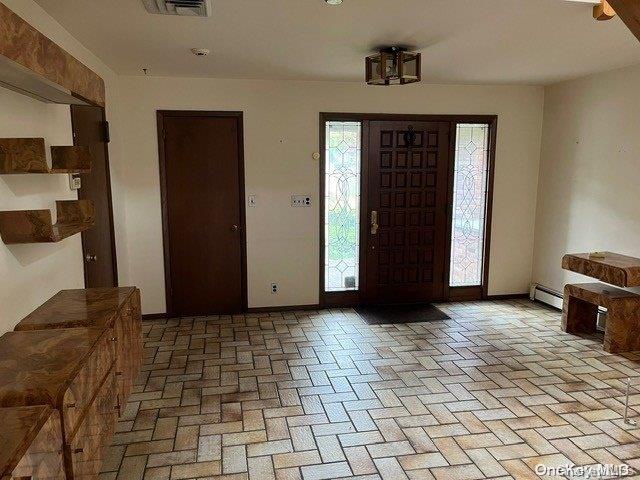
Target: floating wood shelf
pixel 27 155
pixel 36 226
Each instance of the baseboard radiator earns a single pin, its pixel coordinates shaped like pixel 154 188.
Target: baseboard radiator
pixel 553 298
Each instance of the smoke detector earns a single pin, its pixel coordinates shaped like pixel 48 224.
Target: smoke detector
pixel 187 8
pixel 200 52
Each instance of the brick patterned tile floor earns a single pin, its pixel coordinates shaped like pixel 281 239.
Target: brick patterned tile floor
pixel 491 393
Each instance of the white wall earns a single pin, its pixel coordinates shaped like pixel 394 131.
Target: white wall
pixel 589 195
pixel 30 274
pixel 280 135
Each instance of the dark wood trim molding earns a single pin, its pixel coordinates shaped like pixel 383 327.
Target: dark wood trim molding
pixel 160 116
pixel 508 296
pixel 462 294
pixel 27 47
pixel 488 219
pixel 346 299
pixel 629 11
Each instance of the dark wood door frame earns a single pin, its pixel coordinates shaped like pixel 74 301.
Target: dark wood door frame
pixel 160 116
pixel 112 236
pixel 350 298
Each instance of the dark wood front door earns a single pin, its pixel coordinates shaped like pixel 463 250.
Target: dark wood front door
pixel 98 244
pixel 407 214
pixel 202 185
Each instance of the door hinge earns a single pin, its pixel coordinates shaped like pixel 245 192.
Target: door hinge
pixel 105 132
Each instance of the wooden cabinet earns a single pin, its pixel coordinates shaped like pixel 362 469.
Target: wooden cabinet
pixel 79 354
pixel 31 444
pixel 79 394
pixel 114 308
pixel 128 332
pixel 87 449
pixel 62 368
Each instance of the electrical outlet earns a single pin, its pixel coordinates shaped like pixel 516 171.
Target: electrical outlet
pixel 274 288
pixel 300 200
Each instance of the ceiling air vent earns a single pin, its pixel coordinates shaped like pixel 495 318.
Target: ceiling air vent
pixel 187 8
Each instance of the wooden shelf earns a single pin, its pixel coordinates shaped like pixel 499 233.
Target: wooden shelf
pixel 36 226
pixel 27 155
pixel 33 65
pixel 612 268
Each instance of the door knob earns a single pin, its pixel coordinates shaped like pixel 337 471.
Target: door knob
pixel 90 258
pixel 374 222
pixel 234 228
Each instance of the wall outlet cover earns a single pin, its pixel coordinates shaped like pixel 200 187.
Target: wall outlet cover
pixel 75 182
pixel 300 200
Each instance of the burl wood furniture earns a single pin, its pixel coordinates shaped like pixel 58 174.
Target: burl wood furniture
pixel 36 226
pixel 115 308
pixel 580 314
pixel 34 65
pixel 28 155
pixel 581 301
pixel 72 370
pixel 31 444
pixel 613 268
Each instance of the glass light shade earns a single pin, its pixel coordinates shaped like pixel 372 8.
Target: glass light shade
pixel 393 66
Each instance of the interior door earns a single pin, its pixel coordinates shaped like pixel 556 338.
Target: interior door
pixel 201 169
pixel 407 211
pixel 98 243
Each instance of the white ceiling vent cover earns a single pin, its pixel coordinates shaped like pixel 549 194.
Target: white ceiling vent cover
pixel 187 8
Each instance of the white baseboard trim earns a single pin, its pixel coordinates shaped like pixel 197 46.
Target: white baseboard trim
pixel 546 295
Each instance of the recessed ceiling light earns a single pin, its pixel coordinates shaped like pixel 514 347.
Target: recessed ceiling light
pixel 334 2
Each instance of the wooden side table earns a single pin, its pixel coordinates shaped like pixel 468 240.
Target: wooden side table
pixel 581 301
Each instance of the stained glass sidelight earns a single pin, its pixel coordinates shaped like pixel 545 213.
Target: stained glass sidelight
pixel 342 206
pixel 469 204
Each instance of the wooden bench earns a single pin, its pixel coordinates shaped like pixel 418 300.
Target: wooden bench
pixel 580 314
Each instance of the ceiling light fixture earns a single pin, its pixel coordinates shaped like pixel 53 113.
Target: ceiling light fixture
pixel 393 66
pixel 333 2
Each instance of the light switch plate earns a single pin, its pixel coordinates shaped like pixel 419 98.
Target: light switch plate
pixel 300 200
pixel 251 200
pixel 75 182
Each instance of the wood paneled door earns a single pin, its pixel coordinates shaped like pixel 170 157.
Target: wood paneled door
pixel 98 243
pixel 406 225
pixel 202 185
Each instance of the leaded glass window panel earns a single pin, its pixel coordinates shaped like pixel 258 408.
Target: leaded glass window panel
pixel 469 204
pixel 342 206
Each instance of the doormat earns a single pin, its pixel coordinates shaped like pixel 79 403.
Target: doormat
pixel 390 314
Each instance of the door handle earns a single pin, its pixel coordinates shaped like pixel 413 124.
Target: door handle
pixel 90 258
pixel 234 228
pixel 374 222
